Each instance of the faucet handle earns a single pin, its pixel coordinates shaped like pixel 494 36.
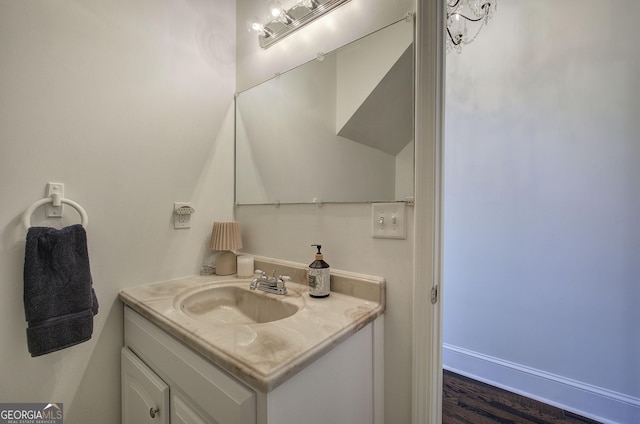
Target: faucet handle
pixel 281 280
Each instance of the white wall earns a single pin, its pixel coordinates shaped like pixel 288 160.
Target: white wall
pixel 129 103
pixel 542 196
pixel 343 230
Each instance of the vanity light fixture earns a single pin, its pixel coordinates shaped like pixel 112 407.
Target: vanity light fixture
pixel 461 13
pixel 225 237
pixel 285 21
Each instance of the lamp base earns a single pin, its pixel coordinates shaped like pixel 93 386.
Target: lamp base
pixel 226 263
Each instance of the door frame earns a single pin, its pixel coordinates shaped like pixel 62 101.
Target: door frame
pixel 429 119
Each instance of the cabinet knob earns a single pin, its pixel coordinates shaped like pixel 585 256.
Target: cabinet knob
pixel 153 412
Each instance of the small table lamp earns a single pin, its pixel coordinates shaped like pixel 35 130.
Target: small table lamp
pixel 226 237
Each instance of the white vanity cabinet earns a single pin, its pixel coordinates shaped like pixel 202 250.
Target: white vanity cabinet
pixel 158 371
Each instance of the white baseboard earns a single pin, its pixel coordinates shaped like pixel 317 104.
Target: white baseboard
pixel 593 402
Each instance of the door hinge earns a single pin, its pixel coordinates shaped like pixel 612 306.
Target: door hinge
pixel 434 294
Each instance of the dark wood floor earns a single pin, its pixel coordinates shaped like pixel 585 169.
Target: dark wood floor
pixel 466 401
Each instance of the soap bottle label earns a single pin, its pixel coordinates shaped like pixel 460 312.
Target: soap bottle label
pixel 319 282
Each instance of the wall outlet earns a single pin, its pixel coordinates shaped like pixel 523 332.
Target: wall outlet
pixel 182 212
pixel 389 220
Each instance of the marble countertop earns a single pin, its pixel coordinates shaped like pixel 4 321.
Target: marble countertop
pixel 266 355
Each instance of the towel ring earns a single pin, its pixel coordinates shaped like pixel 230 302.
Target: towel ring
pixel 26 217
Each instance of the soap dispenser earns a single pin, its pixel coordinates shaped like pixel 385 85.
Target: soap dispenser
pixel 319 276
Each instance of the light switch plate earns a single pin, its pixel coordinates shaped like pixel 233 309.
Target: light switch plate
pixel 389 220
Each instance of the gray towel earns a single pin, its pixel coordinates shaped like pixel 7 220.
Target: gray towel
pixel 59 301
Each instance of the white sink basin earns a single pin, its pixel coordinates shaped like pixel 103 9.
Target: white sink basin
pixel 234 303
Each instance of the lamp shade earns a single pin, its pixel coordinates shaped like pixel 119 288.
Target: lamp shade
pixel 226 236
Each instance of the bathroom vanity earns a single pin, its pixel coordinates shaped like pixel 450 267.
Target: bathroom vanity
pixel 206 349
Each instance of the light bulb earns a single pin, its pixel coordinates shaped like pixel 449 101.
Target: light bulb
pixel 274 8
pixel 253 25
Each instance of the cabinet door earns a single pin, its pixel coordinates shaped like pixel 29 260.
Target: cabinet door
pixel 145 397
pixel 183 413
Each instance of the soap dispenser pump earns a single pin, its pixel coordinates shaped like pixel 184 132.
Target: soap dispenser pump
pixel 319 275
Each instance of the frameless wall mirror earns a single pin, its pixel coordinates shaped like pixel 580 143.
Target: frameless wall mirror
pixel 336 129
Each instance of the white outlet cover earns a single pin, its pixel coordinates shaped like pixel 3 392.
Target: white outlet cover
pixel 181 220
pixel 389 220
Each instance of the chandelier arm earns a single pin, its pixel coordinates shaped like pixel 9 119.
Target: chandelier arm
pixel 454 5
pixel 468 19
pixel 453 41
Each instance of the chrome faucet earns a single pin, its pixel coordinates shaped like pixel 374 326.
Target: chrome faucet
pixel 271 284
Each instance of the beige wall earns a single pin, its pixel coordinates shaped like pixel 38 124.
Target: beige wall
pixel 343 230
pixel 129 104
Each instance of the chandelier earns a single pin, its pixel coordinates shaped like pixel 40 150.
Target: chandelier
pixel 462 14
